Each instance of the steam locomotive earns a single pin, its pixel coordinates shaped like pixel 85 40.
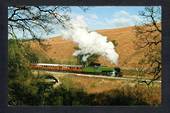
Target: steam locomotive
pixel 96 69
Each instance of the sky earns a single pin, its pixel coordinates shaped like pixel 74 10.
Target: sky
pixel 102 17
pixel 106 17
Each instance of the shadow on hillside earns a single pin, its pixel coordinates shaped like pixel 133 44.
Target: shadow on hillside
pixel 38 94
pixel 62 96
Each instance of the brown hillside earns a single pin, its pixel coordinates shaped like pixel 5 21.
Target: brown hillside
pixel 62 50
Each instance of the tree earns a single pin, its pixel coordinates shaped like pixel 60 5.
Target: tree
pixel 24 21
pixel 28 20
pixel 148 35
pixel 92 58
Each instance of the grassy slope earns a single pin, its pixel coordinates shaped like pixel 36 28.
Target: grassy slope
pixel 100 86
pixel 61 50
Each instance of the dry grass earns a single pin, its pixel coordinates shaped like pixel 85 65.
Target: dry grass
pixel 121 88
pixel 62 50
pixel 151 94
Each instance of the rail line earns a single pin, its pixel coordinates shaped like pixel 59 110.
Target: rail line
pixel 103 76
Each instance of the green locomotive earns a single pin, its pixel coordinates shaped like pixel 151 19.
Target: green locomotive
pixel 103 70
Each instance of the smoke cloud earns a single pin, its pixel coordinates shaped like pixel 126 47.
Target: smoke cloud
pixel 89 42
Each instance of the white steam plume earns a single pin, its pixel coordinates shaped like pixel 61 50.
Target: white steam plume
pixel 89 42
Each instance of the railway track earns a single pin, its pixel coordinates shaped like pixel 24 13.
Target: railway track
pixel 104 76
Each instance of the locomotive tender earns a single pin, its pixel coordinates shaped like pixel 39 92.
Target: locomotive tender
pixel 92 69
